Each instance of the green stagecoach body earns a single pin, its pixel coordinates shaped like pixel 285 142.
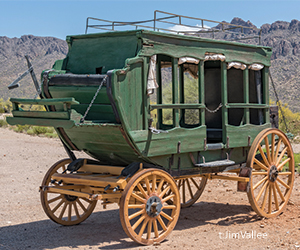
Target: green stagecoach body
pixel 125 124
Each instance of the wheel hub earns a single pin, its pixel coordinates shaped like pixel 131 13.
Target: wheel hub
pixel 153 206
pixel 273 173
pixel 70 197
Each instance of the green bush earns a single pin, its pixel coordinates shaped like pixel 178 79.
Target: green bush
pixel 35 130
pixel 5 106
pixel 3 123
pixel 21 128
pixel 297 162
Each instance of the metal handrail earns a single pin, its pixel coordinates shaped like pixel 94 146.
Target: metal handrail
pixel 225 27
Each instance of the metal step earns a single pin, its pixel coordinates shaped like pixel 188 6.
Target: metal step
pixel 214 146
pixel 212 164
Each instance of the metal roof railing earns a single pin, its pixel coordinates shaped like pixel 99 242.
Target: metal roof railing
pixel 164 24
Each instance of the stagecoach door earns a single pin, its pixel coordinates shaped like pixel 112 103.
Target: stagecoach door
pixel 213 101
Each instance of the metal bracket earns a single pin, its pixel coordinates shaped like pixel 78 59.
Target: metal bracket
pixel 15 83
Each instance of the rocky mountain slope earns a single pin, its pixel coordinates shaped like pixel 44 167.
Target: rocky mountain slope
pixel 42 51
pixel 283 37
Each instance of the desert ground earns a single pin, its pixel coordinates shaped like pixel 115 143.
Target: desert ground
pixel 220 213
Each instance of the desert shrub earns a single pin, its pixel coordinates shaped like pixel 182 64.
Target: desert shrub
pixel 5 106
pixel 35 130
pixel 297 162
pixel 21 128
pixel 3 123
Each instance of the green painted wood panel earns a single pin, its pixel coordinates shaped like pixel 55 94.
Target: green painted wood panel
pixel 101 109
pixel 175 141
pixel 82 94
pixel 88 53
pixel 104 142
pixel 181 46
pixel 42 114
pixel 238 136
pixel 128 91
pixel 40 122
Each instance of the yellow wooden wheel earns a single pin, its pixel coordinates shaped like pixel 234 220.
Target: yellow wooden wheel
pixel 64 209
pixel 272 162
pixel 190 189
pixel 145 215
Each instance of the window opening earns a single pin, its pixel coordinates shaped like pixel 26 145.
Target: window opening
pixel 256 96
pixel 213 116
pixel 190 117
pixel 235 92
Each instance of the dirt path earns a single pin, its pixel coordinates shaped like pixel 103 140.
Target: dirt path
pixel 220 212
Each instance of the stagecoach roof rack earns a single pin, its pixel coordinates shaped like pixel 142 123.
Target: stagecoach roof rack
pixel 164 22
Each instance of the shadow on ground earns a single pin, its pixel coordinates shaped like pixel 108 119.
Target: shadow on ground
pixel 104 229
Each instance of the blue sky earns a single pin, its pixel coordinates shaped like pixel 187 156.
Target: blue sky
pixel 59 18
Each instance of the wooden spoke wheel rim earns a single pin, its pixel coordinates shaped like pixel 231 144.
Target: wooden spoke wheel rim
pixel 272 161
pixel 190 190
pixel 145 215
pixel 63 209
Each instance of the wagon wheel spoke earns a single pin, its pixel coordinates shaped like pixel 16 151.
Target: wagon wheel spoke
pixel 160 185
pixel 153 183
pixel 281 155
pixel 190 189
pixel 279 192
pixel 142 190
pixel 277 149
pixel 169 207
pixel 136 206
pixel 260 182
pixel 76 210
pixel 55 199
pixel 271 183
pixel 149 230
pixel 275 197
pixel 61 208
pixel 273 148
pixel 147 185
pixel 264 200
pixel 63 211
pixel 87 200
pixel 195 183
pixel 269 159
pixel 270 199
pixel 155 228
pixel 57 206
pixel 183 190
pixel 263 166
pixel 263 156
pixel 143 227
pixel 81 205
pixel 70 212
pixel 136 214
pixel 153 219
pixel 195 187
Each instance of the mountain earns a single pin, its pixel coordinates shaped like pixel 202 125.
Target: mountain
pixel 42 52
pixel 283 37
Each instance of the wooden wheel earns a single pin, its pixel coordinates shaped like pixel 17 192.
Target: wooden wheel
pixel 64 209
pixel 190 189
pixel 145 215
pixel 272 161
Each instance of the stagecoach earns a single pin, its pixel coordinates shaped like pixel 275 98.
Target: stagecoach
pixel 159 112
